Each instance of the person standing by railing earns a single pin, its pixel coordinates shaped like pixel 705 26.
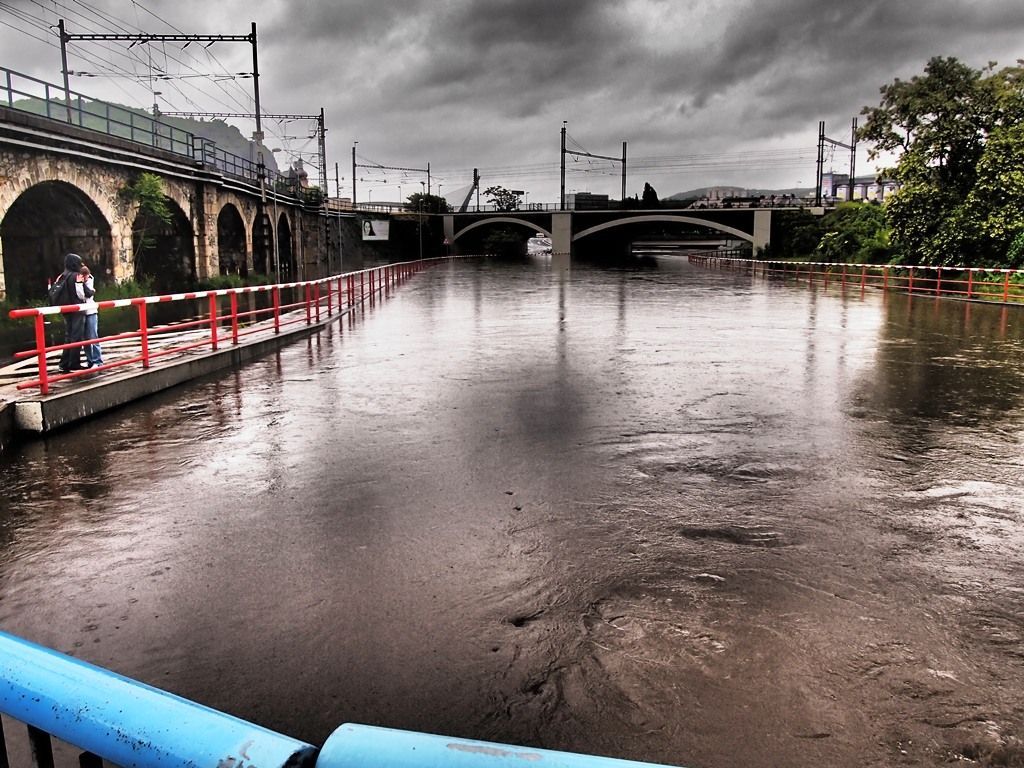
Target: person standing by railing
pixel 93 354
pixel 70 289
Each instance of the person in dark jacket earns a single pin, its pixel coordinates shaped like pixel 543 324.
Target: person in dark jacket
pixel 71 292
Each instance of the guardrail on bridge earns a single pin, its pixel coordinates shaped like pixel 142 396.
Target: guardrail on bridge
pixel 1000 286
pixel 126 723
pixel 37 97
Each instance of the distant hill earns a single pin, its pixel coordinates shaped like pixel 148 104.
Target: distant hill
pixel 227 137
pixel 740 192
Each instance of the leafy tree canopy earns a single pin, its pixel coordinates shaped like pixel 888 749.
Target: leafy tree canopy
pixel 855 233
pixel 958 134
pixel 650 197
pixel 428 203
pixel 502 199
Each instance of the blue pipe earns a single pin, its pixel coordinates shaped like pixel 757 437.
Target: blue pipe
pixel 131 724
pixel 365 746
pixel 128 723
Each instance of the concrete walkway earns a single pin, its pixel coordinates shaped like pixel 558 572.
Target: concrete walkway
pixel 25 412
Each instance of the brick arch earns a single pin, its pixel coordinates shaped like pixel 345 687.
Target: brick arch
pixel 173 261
pixel 37 169
pixel 43 217
pixel 232 241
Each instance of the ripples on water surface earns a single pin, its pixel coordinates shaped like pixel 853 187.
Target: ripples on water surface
pixel 663 513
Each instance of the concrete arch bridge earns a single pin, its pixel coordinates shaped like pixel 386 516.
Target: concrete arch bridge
pixel 567 228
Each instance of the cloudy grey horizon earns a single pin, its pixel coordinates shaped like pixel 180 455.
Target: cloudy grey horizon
pixel 704 92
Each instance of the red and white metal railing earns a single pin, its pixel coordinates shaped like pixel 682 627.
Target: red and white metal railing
pixel 1003 286
pixel 289 304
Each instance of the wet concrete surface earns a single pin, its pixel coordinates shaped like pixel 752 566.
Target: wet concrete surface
pixel 668 514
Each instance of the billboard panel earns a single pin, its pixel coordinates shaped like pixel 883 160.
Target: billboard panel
pixel 375 229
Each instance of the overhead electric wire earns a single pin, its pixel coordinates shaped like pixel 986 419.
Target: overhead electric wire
pixel 110 24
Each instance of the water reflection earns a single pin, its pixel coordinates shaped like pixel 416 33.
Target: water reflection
pixel 626 511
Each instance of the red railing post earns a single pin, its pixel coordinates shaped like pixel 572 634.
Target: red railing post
pixel 213 321
pixel 330 308
pixel 275 294
pixel 234 318
pixel 309 313
pixel 885 278
pixel 970 282
pixel 44 379
pixel 143 333
pixel 316 301
pixel 910 280
pixel 361 291
pixel 1006 287
pixel 938 282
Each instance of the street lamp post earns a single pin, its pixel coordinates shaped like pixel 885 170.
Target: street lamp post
pixel 420 227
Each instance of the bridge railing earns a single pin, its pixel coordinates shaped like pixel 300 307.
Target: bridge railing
pixel 34 96
pixel 206 320
pixel 1002 286
pixel 124 722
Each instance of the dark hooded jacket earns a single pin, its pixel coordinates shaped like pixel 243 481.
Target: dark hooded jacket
pixel 65 292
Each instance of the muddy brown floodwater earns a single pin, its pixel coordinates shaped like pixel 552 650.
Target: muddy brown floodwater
pixel 662 512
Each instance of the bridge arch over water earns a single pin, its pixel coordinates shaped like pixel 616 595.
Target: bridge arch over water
pixel 531 225
pixel 567 227
pixel 665 218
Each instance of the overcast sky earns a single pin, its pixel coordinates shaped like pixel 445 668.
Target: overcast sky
pixel 704 91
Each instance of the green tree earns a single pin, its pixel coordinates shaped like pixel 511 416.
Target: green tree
pixel 957 135
pixel 502 199
pixel 428 203
pixel 147 191
pixel 650 197
pixel 854 233
pixel 795 234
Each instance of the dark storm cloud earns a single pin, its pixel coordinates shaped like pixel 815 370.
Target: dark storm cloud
pixel 489 82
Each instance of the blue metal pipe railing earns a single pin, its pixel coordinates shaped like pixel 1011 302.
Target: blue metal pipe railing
pixel 365 746
pixel 132 724
pixel 126 722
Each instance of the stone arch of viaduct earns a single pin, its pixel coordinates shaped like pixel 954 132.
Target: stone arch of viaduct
pixel 92 186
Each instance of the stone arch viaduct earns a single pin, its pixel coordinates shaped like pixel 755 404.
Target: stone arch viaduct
pixel 65 189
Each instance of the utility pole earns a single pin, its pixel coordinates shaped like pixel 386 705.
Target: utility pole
pixel 320 130
pixel 623 195
pixel 853 158
pixel 561 199
pixel 142 38
pixel 821 162
pixel 852 146
pixel 424 185
pixel 337 189
pixel 421 223
pixel 354 173
pixel 588 154
pixel 64 65
pixel 256 87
